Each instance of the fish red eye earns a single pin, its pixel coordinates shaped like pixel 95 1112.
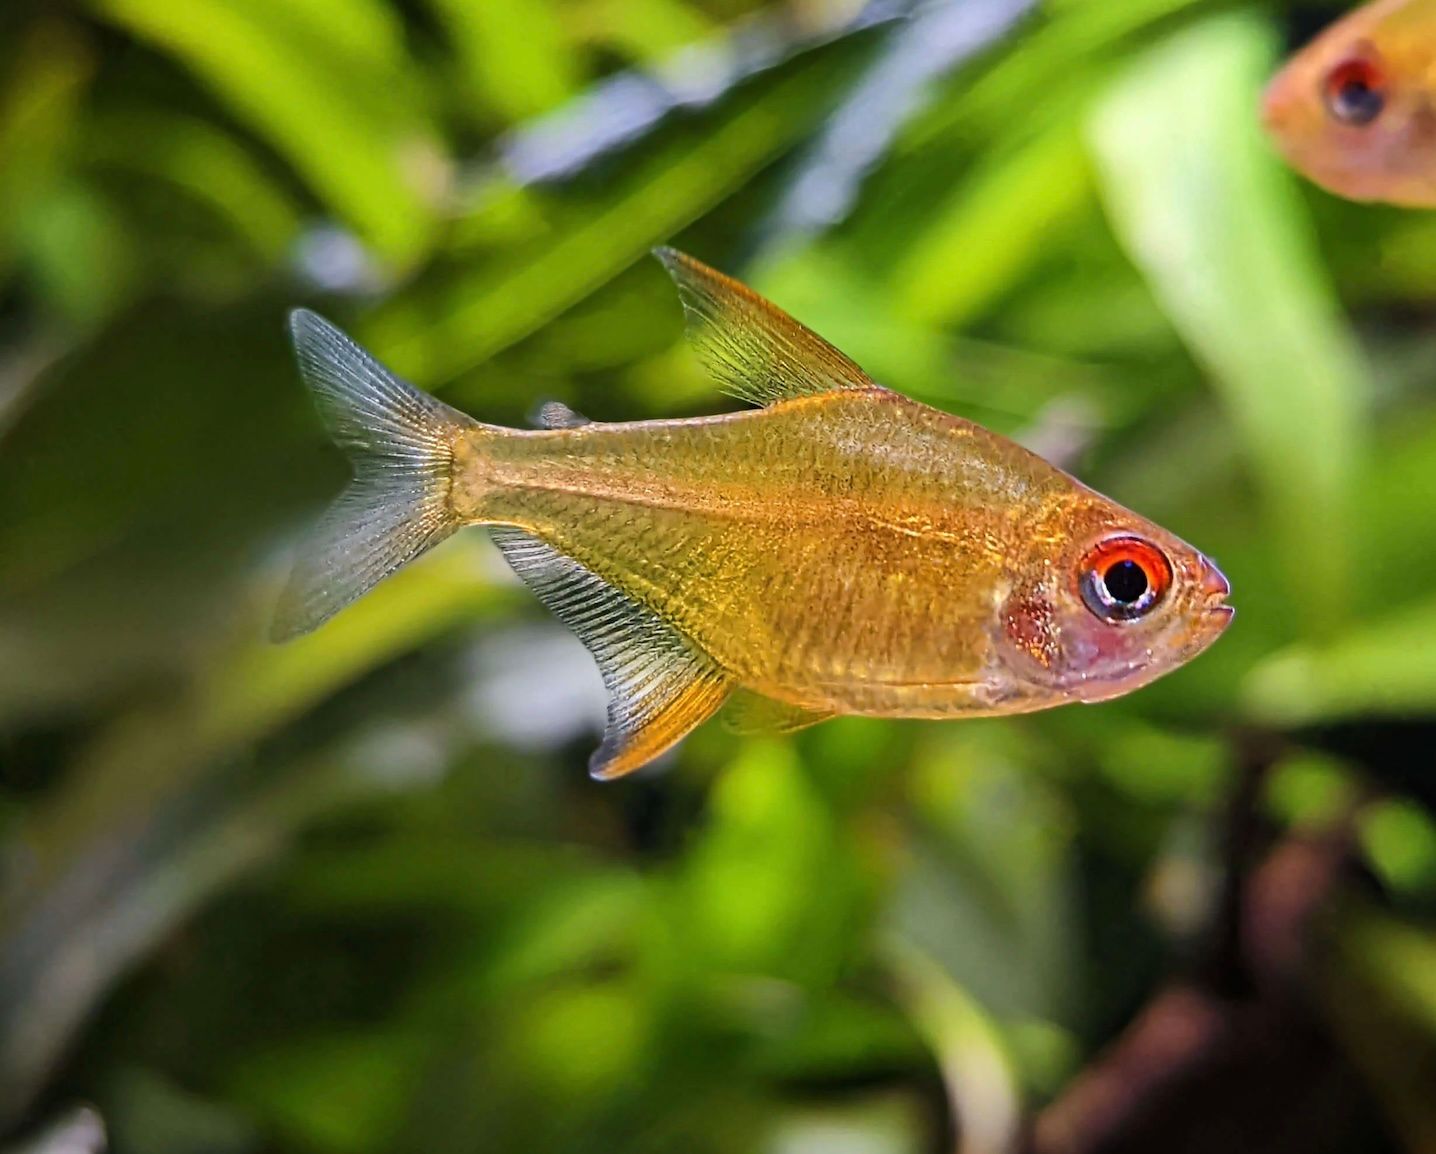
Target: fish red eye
pixel 1355 92
pixel 1124 578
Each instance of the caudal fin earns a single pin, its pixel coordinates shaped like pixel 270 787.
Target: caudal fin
pixel 400 443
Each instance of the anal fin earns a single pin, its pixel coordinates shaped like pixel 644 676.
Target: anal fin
pixel 751 713
pixel 660 685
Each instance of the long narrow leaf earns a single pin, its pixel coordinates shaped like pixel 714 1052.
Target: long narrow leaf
pixel 1212 220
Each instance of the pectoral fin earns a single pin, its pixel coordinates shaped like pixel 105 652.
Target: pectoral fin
pixel 660 685
pixel 757 351
pixel 751 713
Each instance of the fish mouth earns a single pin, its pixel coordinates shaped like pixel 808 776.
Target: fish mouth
pixel 1219 616
pixel 1214 590
pixel 1276 103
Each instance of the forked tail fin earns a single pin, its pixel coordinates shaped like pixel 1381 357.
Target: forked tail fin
pixel 400 443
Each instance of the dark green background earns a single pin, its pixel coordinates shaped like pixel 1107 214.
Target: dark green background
pixel 357 894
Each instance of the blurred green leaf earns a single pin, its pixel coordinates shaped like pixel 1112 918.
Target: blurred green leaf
pixel 1075 41
pixel 1386 668
pixel 328 83
pixel 1215 226
pixel 996 225
pixel 207 164
pixel 770 848
pixel 1310 790
pixel 1379 987
pixel 858 1125
pixel 587 922
pixel 346 1094
pixel 149 762
pixel 975 1066
pixel 40 90
pixel 1393 506
pixel 80 252
pixel 1400 841
pixel 1158 766
pixel 1002 386
pixel 646 30
pixel 515 53
pixel 978 857
pixel 437 335
pixel 1401 959
pixel 146 1111
pixel 259 688
pixel 582 1042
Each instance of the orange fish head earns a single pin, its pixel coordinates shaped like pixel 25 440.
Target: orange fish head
pixel 1121 603
pixel 1353 112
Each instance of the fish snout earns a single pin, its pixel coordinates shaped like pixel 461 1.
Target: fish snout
pixel 1277 104
pixel 1213 588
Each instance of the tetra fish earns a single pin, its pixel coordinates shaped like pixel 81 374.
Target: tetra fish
pixel 1355 110
pixel 840 549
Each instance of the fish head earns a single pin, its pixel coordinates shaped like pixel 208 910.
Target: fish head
pixel 1105 602
pixel 1355 110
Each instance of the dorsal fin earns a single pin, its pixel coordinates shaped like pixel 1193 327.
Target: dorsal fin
pixel 757 351
pixel 660 686
pixel 750 713
pixel 557 415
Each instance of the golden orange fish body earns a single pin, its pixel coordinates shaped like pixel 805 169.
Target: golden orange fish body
pixel 852 552
pixel 1355 110
pixel 840 550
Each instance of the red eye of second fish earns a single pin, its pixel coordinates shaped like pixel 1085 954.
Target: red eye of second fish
pixel 1354 92
pixel 1122 578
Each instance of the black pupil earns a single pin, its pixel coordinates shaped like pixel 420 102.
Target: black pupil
pixel 1126 582
pixel 1357 102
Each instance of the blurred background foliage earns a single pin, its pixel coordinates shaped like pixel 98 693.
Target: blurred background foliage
pixel 357 894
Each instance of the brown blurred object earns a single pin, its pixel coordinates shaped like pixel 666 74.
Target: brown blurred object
pixel 1239 1056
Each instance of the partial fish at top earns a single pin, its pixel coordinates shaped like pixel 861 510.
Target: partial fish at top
pixel 1355 110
